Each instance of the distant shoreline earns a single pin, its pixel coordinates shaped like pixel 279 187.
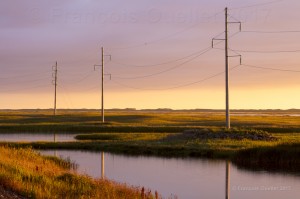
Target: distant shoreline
pixel 160 109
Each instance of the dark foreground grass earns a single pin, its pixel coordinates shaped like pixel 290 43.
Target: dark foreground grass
pixel 126 137
pixel 33 176
pixel 284 157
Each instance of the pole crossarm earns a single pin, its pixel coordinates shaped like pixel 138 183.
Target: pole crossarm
pixel 240 56
pixel 236 22
pixel 95 66
pixel 215 39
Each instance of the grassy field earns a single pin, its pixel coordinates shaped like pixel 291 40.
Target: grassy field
pixel 160 132
pixel 33 176
pixel 143 121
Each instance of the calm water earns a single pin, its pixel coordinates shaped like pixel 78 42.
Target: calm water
pixel 186 178
pixel 17 137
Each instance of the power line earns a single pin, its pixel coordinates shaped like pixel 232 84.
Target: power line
pixel 267 52
pixel 166 62
pixel 27 88
pixel 269 68
pixel 171 88
pixel 232 17
pixel 256 5
pixel 271 32
pixel 169 69
pixel 24 81
pixel 86 76
pixel 24 75
pixel 179 86
pixel 162 38
pixel 162 63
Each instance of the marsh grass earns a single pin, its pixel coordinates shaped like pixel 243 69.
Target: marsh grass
pixel 89 121
pixel 123 136
pixel 284 157
pixel 34 176
pixel 146 132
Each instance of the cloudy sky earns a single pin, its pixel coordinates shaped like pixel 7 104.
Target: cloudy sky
pixel 160 49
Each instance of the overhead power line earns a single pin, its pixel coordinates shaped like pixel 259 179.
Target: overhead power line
pixel 267 52
pixel 159 64
pixel 170 61
pixel 271 32
pixel 163 37
pixel 23 82
pixel 256 5
pixel 269 68
pixel 25 89
pixel 83 78
pixel 24 75
pixel 169 69
pixel 179 86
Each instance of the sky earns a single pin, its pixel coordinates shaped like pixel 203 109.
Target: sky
pixel 161 53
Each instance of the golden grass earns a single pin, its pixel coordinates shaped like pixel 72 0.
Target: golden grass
pixel 34 176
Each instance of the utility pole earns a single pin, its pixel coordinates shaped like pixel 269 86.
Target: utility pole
pixel 227 65
pixel 227 70
pixel 102 80
pixel 54 82
pixel 102 86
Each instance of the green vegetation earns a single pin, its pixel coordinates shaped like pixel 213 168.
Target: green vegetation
pixel 198 133
pixel 78 121
pixel 34 176
pixel 122 136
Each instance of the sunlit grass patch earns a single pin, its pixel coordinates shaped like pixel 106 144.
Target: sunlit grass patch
pixel 33 176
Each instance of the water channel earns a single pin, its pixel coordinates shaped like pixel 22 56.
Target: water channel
pixel 186 178
pixel 31 137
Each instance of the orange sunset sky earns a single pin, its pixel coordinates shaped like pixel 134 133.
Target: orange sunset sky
pixel 161 53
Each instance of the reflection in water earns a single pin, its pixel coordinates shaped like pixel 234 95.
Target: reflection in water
pixel 227 175
pixel 102 165
pixel 186 178
pixel 55 153
pixel 227 189
pixel 36 137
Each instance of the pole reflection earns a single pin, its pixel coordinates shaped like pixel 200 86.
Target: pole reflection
pixel 54 139
pixel 102 165
pixel 227 188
